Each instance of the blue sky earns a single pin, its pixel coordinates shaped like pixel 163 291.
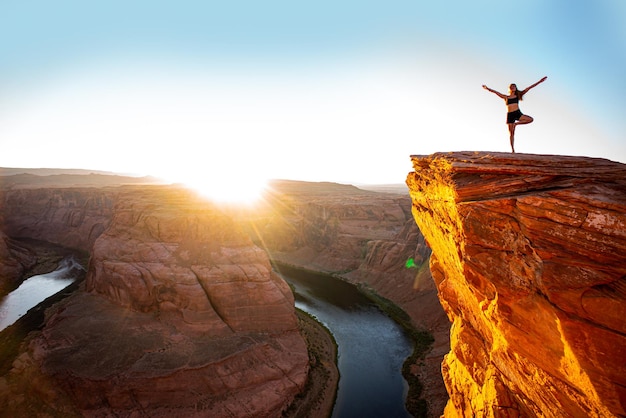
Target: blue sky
pixel 314 90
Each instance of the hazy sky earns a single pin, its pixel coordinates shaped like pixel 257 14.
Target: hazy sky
pixel 316 90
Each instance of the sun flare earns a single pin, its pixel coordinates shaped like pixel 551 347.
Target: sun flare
pixel 216 175
pixel 225 190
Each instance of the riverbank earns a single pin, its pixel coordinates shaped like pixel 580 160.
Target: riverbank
pixel 44 257
pixel 318 397
pixel 422 340
pixel 48 258
pixel 12 337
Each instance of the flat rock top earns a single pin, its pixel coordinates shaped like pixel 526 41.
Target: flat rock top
pixel 504 162
pixel 478 175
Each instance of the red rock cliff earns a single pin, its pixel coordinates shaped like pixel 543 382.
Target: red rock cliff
pixel 529 257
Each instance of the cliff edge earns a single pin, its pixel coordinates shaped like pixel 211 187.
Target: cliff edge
pixel 529 258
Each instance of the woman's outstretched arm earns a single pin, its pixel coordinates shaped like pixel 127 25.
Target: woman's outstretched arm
pixel 497 93
pixel 534 85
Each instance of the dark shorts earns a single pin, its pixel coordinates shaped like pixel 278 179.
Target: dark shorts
pixel 513 116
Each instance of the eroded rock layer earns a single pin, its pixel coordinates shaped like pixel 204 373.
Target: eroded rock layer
pixel 529 257
pixel 180 314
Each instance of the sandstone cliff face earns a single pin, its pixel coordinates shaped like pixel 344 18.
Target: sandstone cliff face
pixel 180 314
pixel 529 257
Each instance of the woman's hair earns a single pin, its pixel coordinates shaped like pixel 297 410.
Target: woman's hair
pixel 518 92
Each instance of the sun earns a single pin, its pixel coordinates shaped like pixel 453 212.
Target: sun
pixel 219 175
pixel 235 190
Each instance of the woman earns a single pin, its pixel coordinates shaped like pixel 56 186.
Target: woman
pixel 514 116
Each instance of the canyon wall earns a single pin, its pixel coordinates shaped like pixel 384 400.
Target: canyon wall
pixel 71 217
pixel 180 313
pixel 363 236
pixel 529 258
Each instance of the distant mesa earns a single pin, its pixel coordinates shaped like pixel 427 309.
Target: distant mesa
pixel 53 177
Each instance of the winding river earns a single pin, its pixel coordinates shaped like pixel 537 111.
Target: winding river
pixel 371 346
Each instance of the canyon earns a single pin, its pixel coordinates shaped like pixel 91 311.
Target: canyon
pixel 529 259
pixel 513 262
pixel 181 311
pixel 365 237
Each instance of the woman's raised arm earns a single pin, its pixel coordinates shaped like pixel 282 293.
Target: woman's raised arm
pixel 497 93
pixel 534 85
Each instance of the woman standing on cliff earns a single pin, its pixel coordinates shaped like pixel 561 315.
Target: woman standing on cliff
pixel 514 116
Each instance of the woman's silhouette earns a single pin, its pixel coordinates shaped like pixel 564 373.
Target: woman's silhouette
pixel 514 116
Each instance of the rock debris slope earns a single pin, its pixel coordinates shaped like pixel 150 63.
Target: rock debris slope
pixel 529 257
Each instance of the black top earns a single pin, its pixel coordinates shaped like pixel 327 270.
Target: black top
pixel 511 100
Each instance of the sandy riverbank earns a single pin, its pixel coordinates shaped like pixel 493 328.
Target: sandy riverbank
pixel 318 396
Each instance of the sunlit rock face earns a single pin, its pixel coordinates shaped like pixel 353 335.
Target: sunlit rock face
pixel 529 257
pixel 180 315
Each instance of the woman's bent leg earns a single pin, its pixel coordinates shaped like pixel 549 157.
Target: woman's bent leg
pixel 524 119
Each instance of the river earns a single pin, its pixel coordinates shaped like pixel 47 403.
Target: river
pixel 371 346
pixel 36 289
